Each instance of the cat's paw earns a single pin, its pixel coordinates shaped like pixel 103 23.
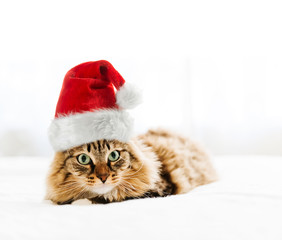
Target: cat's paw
pixel 82 202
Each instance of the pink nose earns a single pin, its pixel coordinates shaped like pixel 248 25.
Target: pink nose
pixel 103 177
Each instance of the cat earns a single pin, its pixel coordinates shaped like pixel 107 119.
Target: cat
pixel 157 163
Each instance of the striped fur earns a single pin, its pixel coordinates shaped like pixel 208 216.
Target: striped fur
pixel 157 163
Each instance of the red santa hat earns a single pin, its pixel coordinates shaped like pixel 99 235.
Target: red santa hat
pixel 92 105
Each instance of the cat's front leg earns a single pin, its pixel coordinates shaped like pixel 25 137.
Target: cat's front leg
pixel 98 200
pixel 64 202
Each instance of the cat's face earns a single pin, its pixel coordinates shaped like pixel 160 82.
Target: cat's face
pixel 111 170
pixel 98 166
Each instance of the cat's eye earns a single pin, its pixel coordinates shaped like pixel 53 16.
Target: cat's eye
pixel 83 159
pixel 114 156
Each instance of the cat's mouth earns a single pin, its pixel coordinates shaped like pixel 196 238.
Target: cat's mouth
pixel 102 188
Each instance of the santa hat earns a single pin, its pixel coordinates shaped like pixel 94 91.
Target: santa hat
pixel 92 105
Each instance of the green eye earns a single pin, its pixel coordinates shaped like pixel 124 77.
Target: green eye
pixel 114 156
pixel 83 159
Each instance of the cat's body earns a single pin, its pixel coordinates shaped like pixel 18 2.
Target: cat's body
pixel 158 163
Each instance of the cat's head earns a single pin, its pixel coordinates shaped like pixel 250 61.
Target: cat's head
pixel 105 169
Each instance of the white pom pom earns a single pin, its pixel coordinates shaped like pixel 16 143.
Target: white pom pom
pixel 128 96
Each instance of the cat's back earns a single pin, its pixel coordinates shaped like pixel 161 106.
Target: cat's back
pixel 167 144
pixel 187 164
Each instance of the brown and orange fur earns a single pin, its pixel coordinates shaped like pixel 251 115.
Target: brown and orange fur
pixel 158 163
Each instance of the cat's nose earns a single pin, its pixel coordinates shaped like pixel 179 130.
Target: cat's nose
pixel 102 171
pixel 103 177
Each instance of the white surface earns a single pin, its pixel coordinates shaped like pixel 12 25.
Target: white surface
pixel 245 204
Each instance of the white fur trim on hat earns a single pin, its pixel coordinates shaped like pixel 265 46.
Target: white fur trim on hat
pixel 77 129
pixel 128 96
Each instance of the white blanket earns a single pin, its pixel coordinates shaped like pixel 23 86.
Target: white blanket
pixel 246 203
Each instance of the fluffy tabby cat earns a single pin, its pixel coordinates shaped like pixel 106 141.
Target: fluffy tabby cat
pixel 157 163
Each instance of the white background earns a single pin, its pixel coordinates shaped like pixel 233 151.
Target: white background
pixel 209 69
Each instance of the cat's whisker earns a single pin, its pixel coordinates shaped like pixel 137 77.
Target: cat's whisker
pixel 137 170
pixel 127 189
pixel 130 185
pixel 133 177
pixel 122 185
pixel 67 186
pixel 72 180
pixel 80 194
pixel 68 189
